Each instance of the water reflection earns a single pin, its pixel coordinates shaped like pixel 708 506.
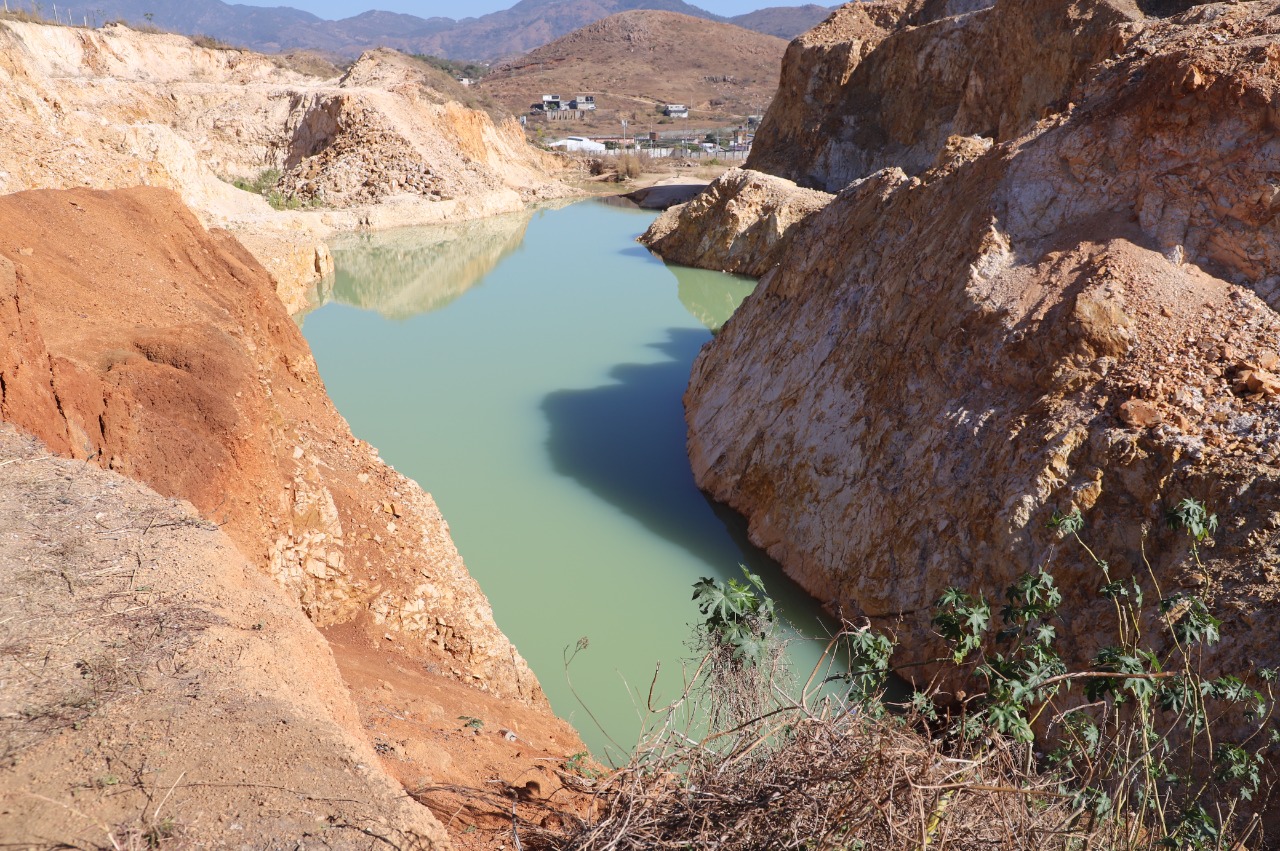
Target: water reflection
pixel 711 297
pixel 404 272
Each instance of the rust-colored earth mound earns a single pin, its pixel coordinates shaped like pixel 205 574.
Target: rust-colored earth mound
pixel 133 338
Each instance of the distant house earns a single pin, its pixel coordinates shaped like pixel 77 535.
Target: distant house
pixel 551 103
pixel 583 102
pixel 579 144
pixel 466 81
pixel 676 110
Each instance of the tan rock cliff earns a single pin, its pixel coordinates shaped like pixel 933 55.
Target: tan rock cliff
pixel 1082 317
pixel 737 224
pixel 871 89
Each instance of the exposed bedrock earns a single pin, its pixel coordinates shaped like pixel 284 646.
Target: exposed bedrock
pixel 1082 317
pixel 870 88
pixel 737 224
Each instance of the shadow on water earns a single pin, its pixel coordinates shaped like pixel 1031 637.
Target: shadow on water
pixel 638 251
pixel 625 442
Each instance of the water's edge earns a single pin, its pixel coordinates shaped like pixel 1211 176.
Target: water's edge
pixel 529 370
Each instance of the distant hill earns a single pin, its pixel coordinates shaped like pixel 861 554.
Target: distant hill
pixel 635 62
pixel 783 21
pixel 526 25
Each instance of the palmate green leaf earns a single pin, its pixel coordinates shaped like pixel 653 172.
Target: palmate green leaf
pixel 978 618
pixel 1194 517
pixel 1067 524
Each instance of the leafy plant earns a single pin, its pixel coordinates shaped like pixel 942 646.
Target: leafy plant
pixel 1146 753
pixel 471 722
pixel 1141 748
pixel 739 615
pixel 580 764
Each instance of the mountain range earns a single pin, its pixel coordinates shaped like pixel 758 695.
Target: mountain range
pixel 510 32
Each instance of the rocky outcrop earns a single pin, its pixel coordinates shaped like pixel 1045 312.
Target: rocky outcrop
pixel 738 224
pixel 113 108
pixel 144 343
pixel 1083 317
pixel 870 89
pixel 157 689
pixel 815 70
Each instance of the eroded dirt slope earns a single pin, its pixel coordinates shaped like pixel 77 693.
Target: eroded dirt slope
pixel 134 339
pixel 155 348
pixel 157 690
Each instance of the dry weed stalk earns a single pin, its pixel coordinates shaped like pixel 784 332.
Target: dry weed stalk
pixel 818 773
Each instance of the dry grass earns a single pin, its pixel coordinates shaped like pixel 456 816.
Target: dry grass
pixel 309 63
pixel 210 43
pixel 632 165
pixel 805 768
pixel 817 774
pixel 17 14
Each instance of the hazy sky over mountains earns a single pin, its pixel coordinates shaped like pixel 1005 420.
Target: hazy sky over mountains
pixel 474 8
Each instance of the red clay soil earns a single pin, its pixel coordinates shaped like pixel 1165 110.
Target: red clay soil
pixel 133 338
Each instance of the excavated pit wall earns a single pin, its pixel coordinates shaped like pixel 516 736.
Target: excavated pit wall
pixel 1082 316
pixel 199 384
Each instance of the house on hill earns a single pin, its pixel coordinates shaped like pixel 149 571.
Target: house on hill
pixel 676 110
pixel 583 102
pixel 578 144
pixel 550 103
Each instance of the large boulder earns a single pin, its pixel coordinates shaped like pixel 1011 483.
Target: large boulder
pixel 737 224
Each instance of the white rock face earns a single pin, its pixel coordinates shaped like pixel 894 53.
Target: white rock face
pixel 113 108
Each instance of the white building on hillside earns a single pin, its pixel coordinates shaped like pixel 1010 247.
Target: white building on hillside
pixel 579 144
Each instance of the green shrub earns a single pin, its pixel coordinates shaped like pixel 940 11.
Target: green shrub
pixel 1140 750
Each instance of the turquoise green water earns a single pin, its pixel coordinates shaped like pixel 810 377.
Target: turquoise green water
pixel 528 372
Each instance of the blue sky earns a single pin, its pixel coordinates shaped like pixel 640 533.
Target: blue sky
pixel 473 8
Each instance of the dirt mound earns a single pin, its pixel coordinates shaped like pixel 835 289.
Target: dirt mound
pixel 159 690
pixel 1083 317
pixel 637 62
pixel 738 224
pixel 113 108
pixel 138 341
